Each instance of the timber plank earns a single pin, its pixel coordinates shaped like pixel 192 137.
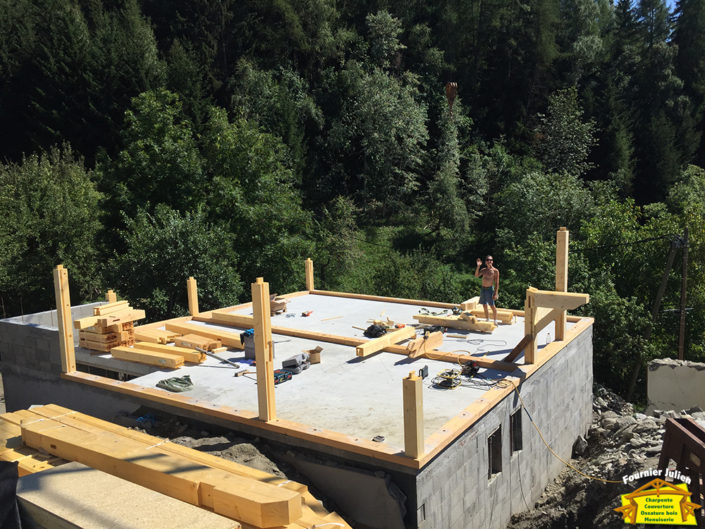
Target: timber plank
pixel 456 322
pixel 230 339
pixel 143 356
pixel 377 344
pixel 110 308
pixel 189 355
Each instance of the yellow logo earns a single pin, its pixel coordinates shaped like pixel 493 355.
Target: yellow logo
pixel 659 502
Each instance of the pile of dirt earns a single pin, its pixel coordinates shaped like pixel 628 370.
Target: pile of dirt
pixel 620 442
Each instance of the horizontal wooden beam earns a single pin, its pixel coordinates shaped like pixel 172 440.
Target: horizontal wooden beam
pixel 230 339
pixel 424 343
pixel 109 308
pixel 402 301
pixel 377 344
pixel 457 322
pixel 189 355
pixel 558 300
pixel 142 356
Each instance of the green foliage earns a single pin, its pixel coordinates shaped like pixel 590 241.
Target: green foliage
pixel 252 191
pixel 563 139
pixel 49 207
pixel 384 31
pixel 162 250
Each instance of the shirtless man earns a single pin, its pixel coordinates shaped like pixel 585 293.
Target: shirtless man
pixel 490 286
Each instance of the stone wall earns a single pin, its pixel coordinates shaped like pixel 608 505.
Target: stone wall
pixel 454 491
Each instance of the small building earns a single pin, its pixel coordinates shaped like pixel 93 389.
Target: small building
pixel 397 434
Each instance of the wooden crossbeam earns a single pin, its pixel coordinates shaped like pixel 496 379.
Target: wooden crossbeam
pixel 517 349
pixel 424 343
pixel 377 344
pixel 558 300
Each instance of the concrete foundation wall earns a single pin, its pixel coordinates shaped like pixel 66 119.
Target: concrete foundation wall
pixel 32 340
pixel 454 490
pixel 675 384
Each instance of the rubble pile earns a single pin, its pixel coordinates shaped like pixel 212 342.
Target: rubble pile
pixel 620 442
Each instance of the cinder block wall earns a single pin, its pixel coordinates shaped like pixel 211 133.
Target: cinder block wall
pixel 32 341
pixel 454 490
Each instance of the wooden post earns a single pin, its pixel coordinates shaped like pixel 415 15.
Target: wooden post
pixel 561 275
pixel 309 274
pixel 264 352
pixel 65 322
pixel 110 296
pixel 529 330
pixel 192 291
pixel 413 416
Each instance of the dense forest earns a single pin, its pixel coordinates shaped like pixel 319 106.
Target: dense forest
pixel 144 141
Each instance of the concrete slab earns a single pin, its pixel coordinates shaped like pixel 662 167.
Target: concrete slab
pixel 344 393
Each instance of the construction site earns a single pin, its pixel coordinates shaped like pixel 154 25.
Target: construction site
pixel 400 413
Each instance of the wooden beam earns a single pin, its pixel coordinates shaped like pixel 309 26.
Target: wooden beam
pixel 402 301
pixel 503 315
pixel 143 356
pixel 517 349
pixel 424 343
pixel 110 308
pixel 64 320
pixel 189 355
pixel 562 241
pixel 309 274
pixel 457 322
pixel 377 344
pixel 542 317
pixel 264 350
pixel 230 339
pixel 192 292
pixel 244 321
pixel 470 304
pixel 413 416
pixel 529 328
pixel 110 296
pixel 558 300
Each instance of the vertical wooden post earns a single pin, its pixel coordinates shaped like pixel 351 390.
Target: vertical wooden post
pixel 413 416
pixel 309 274
pixel 529 330
pixel 110 296
pixel 561 276
pixel 65 322
pixel 192 291
pixel 264 352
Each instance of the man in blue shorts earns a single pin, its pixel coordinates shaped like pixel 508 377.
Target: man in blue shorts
pixel 490 285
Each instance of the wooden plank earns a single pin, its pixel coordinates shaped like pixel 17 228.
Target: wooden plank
pixel 196 340
pixel 154 335
pixel 529 327
pixel 120 317
pixel 559 300
pixel 189 355
pixel 97 346
pixel 470 304
pixel 63 315
pixel 259 504
pixel 421 303
pixel 413 416
pixel 456 322
pixel 309 274
pixel 517 349
pixel 192 293
pixel 377 344
pixel 110 337
pixel 503 315
pixel 230 339
pixel 84 323
pixel 542 317
pixel 244 321
pixel 142 356
pixel 264 350
pixel 110 308
pixel 110 296
pixel 424 343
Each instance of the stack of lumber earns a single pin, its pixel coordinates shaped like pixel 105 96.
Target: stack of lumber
pixel 12 448
pixel 252 497
pixel 110 326
pixel 155 335
pixel 473 307
pixel 157 354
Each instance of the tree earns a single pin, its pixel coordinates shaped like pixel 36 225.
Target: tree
pixel 384 31
pixel 563 139
pixel 50 211
pixel 252 191
pixel 162 250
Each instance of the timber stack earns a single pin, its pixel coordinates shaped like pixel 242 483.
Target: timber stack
pixel 112 325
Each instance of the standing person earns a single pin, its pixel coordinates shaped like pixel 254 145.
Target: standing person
pixel 490 285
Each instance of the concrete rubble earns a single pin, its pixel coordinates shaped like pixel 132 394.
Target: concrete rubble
pixel 620 442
